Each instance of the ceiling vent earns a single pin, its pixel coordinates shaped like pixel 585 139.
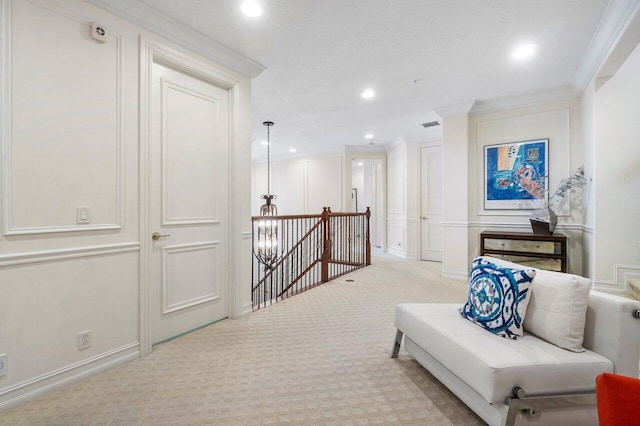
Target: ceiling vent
pixel 431 124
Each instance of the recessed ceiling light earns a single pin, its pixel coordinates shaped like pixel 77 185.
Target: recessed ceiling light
pixel 368 93
pixel 292 150
pixel 369 136
pixel 251 8
pixel 524 52
pixel 265 143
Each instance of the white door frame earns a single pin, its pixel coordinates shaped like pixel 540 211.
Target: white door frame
pixel 382 216
pixel 420 146
pixel 151 51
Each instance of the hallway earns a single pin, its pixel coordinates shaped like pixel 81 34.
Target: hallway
pixel 321 357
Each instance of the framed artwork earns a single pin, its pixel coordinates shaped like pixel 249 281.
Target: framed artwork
pixel 516 175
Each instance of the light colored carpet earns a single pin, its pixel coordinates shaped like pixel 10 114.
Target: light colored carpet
pixel 319 358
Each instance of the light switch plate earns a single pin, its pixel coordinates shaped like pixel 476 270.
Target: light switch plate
pixel 82 215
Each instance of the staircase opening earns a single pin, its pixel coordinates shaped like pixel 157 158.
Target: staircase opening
pixel 313 249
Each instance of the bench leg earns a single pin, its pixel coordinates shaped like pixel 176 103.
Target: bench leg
pixel 532 406
pixel 396 345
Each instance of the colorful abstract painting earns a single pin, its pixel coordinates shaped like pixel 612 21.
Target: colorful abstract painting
pixel 516 175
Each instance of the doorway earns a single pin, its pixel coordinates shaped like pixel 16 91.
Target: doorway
pixel 188 156
pixel 431 203
pixel 367 190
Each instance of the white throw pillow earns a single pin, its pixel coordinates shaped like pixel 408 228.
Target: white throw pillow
pixel 557 310
pixel 558 307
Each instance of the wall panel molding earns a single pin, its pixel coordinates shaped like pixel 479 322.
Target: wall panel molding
pixel 397 237
pixel 166 86
pixel 525 226
pixel 167 251
pixel 619 284
pixel 396 181
pixel 8 131
pixel 455 224
pixel 314 185
pixel 57 255
pixel 521 126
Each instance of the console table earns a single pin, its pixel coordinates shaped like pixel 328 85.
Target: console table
pixel 540 251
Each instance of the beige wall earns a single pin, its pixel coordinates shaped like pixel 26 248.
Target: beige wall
pixel 302 185
pixel 560 123
pixel 616 157
pixel 396 207
pixel 455 202
pixel 588 142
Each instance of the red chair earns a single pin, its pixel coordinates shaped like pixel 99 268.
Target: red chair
pixel 618 400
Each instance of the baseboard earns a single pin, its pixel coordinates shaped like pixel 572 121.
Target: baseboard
pixel 455 276
pixel 28 390
pixel 247 308
pixel 396 252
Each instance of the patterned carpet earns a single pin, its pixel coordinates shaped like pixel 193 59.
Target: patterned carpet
pixel 319 358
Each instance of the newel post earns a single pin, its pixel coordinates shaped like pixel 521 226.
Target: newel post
pixel 368 241
pixel 326 244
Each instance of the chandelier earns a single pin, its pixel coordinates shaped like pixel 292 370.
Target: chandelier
pixel 266 236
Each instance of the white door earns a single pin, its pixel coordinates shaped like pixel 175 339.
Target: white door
pixel 379 203
pixel 431 203
pixel 188 203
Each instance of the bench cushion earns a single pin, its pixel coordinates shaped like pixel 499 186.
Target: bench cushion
pixel 492 365
pixel 558 306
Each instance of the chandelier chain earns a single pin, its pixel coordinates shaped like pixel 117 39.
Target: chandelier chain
pixel 268 161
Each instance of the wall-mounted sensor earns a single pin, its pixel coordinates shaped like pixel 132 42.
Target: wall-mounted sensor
pixel 98 33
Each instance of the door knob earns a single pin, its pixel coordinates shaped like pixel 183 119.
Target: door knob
pixel 424 218
pixel 156 236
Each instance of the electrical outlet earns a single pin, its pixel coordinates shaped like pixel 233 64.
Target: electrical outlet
pixel 84 340
pixel 3 364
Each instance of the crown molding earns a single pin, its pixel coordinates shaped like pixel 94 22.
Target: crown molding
pixel 614 21
pixel 457 109
pixel 525 100
pixel 626 43
pixel 150 19
pixel 365 149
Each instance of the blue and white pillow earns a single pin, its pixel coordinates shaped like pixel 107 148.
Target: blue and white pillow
pixel 498 297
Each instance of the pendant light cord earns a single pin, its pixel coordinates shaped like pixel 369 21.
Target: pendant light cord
pixel 268 161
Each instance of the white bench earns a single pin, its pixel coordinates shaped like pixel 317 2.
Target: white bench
pixel 530 379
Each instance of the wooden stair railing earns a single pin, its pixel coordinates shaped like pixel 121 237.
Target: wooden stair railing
pixel 315 249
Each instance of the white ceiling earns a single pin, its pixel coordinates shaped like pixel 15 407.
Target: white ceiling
pixel 416 54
